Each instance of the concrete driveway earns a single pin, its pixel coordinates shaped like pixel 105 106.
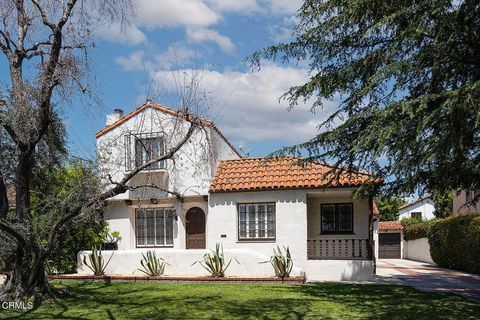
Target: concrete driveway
pixel 428 277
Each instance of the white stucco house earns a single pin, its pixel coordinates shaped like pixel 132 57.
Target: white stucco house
pixel 422 208
pixel 249 205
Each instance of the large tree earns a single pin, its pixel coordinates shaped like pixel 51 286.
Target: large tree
pixel 45 44
pixel 406 75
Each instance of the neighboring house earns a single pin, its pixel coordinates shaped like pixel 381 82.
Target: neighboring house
pixel 250 205
pixel 462 198
pixel 421 208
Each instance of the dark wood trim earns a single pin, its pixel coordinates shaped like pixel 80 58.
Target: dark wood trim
pixel 336 204
pixel 257 239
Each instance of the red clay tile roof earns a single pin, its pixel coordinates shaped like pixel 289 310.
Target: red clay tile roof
pixel 177 113
pixel 251 174
pixel 390 225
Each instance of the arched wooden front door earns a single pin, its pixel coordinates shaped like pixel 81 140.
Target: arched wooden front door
pixel 195 225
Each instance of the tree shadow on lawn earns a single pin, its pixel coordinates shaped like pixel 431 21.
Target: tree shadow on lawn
pixel 387 301
pixel 196 301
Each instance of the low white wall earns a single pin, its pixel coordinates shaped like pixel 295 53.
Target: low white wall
pixel 418 250
pixel 181 263
pixel 339 270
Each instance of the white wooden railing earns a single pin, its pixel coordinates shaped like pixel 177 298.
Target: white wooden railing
pixel 337 248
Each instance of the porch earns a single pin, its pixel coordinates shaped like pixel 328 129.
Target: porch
pixel 339 226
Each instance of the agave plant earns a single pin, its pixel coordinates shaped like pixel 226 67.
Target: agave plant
pixel 214 262
pixel 151 265
pixel 282 262
pixel 50 267
pixel 97 263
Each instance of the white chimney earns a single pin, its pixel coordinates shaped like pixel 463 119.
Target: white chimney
pixel 114 117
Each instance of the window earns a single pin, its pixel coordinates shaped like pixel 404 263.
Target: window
pixel 256 221
pixel 336 218
pixel 416 215
pixel 141 148
pixel 147 149
pixel 154 227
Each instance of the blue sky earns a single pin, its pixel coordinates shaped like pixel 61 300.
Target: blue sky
pixel 169 37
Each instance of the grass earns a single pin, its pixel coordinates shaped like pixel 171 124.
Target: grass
pixel 128 300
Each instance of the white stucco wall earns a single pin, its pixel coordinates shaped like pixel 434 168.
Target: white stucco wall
pixel 190 171
pixel 340 270
pixel 244 263
pixel 375 240
pixel 426 207
pixel 290 219
pixel 418 250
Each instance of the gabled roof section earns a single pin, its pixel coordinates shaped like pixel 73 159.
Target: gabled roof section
pixel 176 113
pixel 416 201
pixel 258 174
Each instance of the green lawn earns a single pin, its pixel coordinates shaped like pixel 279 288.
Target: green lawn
pixel 128 300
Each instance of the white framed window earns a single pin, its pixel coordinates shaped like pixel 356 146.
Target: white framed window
pixel 142 148
pixel 154 227
pixel 256 221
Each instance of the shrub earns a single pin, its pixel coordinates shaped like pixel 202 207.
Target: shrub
pixel 151 265
pixel 415 231
pixel 454 242
pixel 410 221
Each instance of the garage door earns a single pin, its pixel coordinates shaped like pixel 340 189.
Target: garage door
pixel 389 245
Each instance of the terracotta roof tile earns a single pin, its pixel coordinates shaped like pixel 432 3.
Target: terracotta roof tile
pixel 251 174
pixel 390 225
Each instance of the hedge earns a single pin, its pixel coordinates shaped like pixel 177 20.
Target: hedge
pixel 455 242
pixel 415 231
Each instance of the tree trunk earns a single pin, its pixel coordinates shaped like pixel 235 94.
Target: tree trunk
pixel 4 206
pixel 23 177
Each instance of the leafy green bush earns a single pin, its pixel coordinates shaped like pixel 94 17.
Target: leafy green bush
pixel 454 242
pixel 410 221
pixel 415 231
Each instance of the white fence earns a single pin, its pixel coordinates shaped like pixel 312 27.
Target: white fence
pixel 418 250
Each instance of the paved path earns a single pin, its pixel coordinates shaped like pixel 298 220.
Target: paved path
pixel 428 277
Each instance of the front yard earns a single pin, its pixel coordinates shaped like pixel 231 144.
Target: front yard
pixel 128 300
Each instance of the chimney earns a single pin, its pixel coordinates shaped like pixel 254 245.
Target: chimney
pixel 114 117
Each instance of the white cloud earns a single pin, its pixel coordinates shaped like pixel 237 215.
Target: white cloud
pixel 115 33
pixel 201 35
pixel 133 62
pixel 173 13
pixel 250 108
pixel 283 6
pixel 244 6
pixel 175 55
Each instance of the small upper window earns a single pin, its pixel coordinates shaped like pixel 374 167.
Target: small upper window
pixel 416 215
pixel 140 149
